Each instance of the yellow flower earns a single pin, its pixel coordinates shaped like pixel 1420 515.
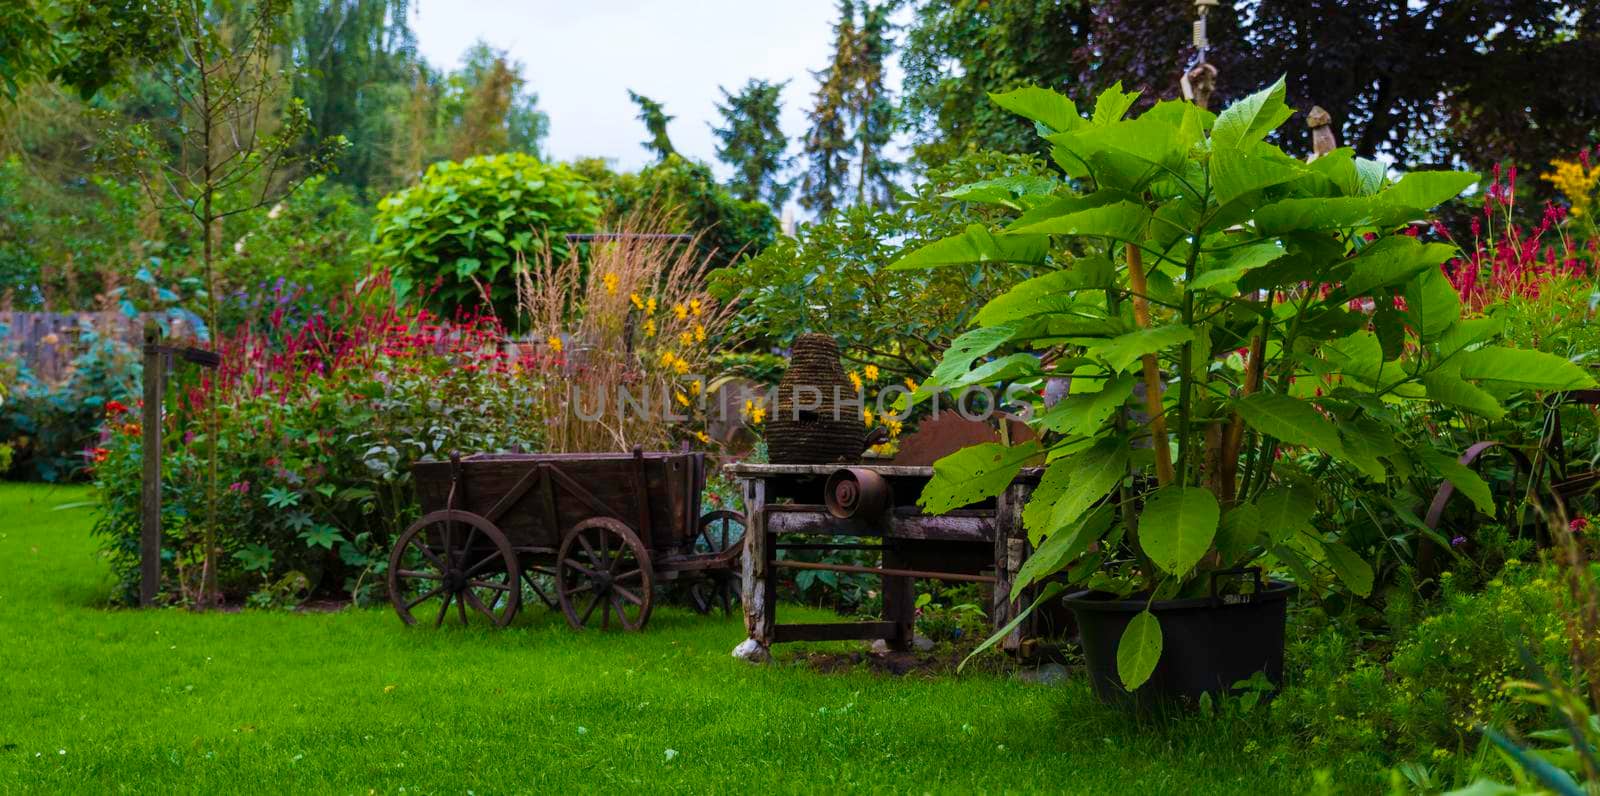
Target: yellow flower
pixel 694 387
pixel 871 372
pixel 894 427
pixel 855 380
pixel 1576 182
pixel 758 414
pixel 911 384
pixel 667 357
pixel 694 307
pixel 554 342
pixel 699 333
pixel 638 303
pixel 650 327
pixel 866 416
pixel 686 338
pixel 703 437
pixel 610 281
pixel 682 399
pixel 680 365
pixel 749 406
pixel 650 306
pixel 681 311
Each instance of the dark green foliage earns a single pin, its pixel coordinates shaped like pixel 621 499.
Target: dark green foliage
pixel 752 142
pixel 51 427
pixel 85 45
pixel 729 228
pixel 466 224
pixel 313 240
pixel 827 144
pixel 832 275
pixel 655 118
pixel 873 108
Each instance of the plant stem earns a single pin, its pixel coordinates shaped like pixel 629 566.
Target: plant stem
pixel 1152 374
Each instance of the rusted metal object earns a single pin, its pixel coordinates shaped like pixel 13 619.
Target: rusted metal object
pixel 592 534
pixel 939 437
pixel 856 492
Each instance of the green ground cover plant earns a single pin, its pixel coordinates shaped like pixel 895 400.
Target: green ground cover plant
pixel 93 699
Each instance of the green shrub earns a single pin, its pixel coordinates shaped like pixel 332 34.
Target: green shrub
pixel 49 426
pixel 320 421
pixel 466 224
pixel 311 239
pixel 832 276
pixel 730 229
pixel 1422 698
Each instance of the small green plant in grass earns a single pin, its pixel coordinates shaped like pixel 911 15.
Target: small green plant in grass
pixel 1232 322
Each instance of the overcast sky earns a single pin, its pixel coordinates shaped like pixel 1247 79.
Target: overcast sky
pixel 582 56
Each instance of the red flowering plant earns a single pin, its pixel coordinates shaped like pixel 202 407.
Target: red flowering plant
pixel 322 416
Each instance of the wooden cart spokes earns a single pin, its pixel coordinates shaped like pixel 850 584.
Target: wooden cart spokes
pixel 590 533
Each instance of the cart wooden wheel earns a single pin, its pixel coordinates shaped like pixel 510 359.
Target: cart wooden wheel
pixel 455 557
pixel 719 532
pixel 603 565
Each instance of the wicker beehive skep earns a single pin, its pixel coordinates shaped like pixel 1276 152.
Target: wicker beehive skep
pixel 833 432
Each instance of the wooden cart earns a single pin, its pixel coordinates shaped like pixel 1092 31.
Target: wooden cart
pixel 981 543
pixel 586 532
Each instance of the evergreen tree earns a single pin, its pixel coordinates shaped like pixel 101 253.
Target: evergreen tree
pixel 828 143
pixel 655 118
pixel 752 142
pixel 873 110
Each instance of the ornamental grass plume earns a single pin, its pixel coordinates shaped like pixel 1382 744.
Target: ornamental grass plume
pixel 632 316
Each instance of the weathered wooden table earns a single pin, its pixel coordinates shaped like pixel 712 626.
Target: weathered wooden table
pixel 982 543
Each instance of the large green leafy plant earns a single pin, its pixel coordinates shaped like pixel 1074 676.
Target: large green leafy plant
pixel 459 232
pixel 1232 321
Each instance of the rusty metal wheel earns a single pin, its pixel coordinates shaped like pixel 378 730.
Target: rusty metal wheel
pixel 455 557
pixel 602 564
pixel 719 531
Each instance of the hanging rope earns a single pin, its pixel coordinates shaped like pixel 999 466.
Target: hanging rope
pixel 1201 77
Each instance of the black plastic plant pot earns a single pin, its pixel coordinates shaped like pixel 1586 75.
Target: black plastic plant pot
pixel 1208 643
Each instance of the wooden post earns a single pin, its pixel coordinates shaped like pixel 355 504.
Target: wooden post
pixel 1010 542
pixel 150 493
pixel 899 597
pixel 760 597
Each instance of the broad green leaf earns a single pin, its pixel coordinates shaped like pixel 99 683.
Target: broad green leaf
pixel 1091 475
pixel 976 245
pixel 1123 221
pixel 1470 332
pixel 1060 549
pixel 1239 530
pixel 973 474
pixel 1466 481
pixel 1082 414
pixel 1249 120
pixel 1003 190
pixel 1113 104
pixel 1290 420
pixel 1359 451
pixel 1517 367
pixel 1285 509
pixel 969 346
pixel 1050 293
pixel 1371 174
pixel 1448 388
pixel 1236 171
pixel 1177 526
pixel 1041 105
pixel 1424 190
pixel 1153 139
pixel 1395 260
pixel 1292 215
pixel 1123 350
pixel 1005 369
pixel 1355 572
pixel 1139 650
pixel 1432 304
pixel 1239 262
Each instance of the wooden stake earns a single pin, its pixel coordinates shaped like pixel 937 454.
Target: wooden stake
pixel 1152 374
pixel 150 492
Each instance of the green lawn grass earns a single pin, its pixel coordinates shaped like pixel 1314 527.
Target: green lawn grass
pixel 95 700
